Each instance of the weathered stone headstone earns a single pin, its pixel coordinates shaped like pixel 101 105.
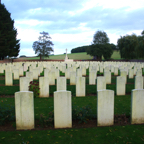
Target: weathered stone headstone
pixel 44 86
pixel 138 82
pixel 16 74
pixel 101 83
pixel 131 73
pixel 46 72
pixel 67 73
pixel 24 83
pixel 56 73
pixel 8 78
pixel 115 70
pixel 35 74
pixel 80 86
pixel 123 73
pixel 79 72
pixel 62 109
pixel 92 78
pixel 120 85
pixel 137 106
pixel 107 76
pixel 24 110
pixel 105 107
pixel 29 75
pixel 61 83
pixel 21 71
pixel 83 70
pixel 72 78
pixel 51 77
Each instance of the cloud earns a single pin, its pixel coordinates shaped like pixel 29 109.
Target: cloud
pixel 27 52
pixel 72 23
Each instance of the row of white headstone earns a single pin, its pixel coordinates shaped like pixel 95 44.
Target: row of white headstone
pixel 24 108
pixel 79 81
pixel 99 66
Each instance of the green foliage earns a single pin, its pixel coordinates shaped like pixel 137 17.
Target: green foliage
pixel 34 86
pixel 100 37
pixel 101 46
pixel 22 56
pixel 107 51
pixel 113 46
pixel 43 47
pixel 80 49
pixel 82 114
pixel 45 121
pixel 9 45
pixel 131 46
pixel 7 114
pixel 100 50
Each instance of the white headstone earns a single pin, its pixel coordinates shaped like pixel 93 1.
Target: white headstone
pixel 105 107
pixel 62 109
pixel 24 110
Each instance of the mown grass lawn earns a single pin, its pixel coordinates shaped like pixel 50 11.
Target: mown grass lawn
pixel 129 134
pixel 76 56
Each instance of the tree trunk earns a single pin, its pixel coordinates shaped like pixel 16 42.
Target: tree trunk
pixel 40 57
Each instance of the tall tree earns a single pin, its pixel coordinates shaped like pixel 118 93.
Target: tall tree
pixel 100 37
pixel 9 45
pixel 140 45
pixel 43 47
pixel 99 50
pixel 100 46
pixel 127 45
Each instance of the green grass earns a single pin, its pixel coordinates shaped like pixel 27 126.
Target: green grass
pixel 116 55
pixel 45 105
pixel 76 56
pixel 130 134
pixel 90 89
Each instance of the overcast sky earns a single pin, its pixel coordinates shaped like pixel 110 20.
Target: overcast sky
pixel 72 23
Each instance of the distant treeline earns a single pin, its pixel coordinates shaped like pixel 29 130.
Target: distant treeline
pixel 84 48
pixel 80 49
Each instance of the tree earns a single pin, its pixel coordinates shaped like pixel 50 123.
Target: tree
pixel 80 49
pixel 140 45
pixel 107 51
pixel 100 46
pixel 99 50
pixel 100 38
pixel 9 45
pixel 43 47
pixel 128 46
pixel 113 46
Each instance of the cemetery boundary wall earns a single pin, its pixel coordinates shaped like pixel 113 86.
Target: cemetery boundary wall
pixel 38 60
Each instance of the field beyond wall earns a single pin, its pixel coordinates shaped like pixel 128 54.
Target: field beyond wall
pixel 75 56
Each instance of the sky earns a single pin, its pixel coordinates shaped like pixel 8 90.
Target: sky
pixel 73 23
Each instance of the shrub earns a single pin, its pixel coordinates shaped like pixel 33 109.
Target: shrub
pixel 34 86
pixel 47 120
pixel 7 114
pixel 82 114
pixel 22 56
